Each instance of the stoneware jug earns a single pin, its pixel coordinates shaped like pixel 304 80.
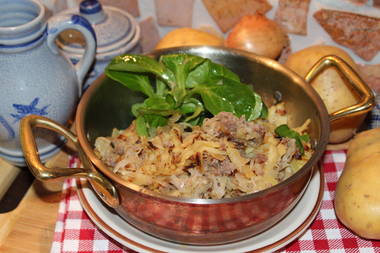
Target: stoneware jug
pixel 35 78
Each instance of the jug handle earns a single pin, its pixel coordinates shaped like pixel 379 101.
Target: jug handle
pixel 60 23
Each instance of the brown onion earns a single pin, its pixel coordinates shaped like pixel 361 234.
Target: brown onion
pixel 258 34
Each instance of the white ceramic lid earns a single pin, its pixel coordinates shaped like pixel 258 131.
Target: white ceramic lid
pixel 114 28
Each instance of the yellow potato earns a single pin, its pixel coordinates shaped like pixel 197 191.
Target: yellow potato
pixel 189 37
pixel 363 144
pixel 333 89
pixel 357 196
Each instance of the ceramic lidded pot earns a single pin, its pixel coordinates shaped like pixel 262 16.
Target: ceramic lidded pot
pixel 117 32
pixel 35 77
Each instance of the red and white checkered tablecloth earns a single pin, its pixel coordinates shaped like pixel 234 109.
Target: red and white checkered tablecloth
pixel 75 232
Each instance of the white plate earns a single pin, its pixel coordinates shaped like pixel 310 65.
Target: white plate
pixel 281 234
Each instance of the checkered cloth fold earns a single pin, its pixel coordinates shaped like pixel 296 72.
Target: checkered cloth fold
pixel 76 233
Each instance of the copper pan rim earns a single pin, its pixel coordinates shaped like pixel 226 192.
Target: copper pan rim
pixel 319 148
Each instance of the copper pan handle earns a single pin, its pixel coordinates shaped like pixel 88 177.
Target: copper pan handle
pixel 367 98
pixel 103 187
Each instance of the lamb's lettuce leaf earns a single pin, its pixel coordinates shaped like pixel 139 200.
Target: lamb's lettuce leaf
pixel 180 65
pixel 285 131
pixel 147 124
pixel 134 82
pixel 139 64
pixel 209 73
pixel 186 87
pixel 231 96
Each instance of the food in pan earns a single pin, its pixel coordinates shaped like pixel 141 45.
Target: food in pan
pixel 201 132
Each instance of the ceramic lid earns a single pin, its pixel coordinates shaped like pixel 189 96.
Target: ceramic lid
pixel 114 28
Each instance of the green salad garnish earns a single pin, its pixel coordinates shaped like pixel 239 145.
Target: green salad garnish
pixel 183 87
pixel 285 131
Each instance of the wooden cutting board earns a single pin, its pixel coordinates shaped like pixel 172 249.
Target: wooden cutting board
pixel 30 226
pixel 7 176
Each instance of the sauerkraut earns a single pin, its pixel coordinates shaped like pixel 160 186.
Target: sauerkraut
pixel 224 157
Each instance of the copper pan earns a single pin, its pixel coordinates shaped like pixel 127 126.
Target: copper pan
pixel 106 105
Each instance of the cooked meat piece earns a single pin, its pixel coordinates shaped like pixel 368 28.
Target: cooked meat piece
pixel 236 129
pixel 218 167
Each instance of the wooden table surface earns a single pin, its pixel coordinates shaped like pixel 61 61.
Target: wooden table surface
pixel 30 226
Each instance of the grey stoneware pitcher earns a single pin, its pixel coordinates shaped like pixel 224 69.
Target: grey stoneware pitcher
pixel 35 78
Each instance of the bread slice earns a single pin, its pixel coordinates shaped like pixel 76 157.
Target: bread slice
pixel 358 32
pixel 227 13
pixel 292 15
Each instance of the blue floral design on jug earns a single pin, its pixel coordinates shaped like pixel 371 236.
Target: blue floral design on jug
pixel 24 110
pixel 8 127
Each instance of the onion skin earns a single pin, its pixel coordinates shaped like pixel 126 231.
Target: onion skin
pixel 258 34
